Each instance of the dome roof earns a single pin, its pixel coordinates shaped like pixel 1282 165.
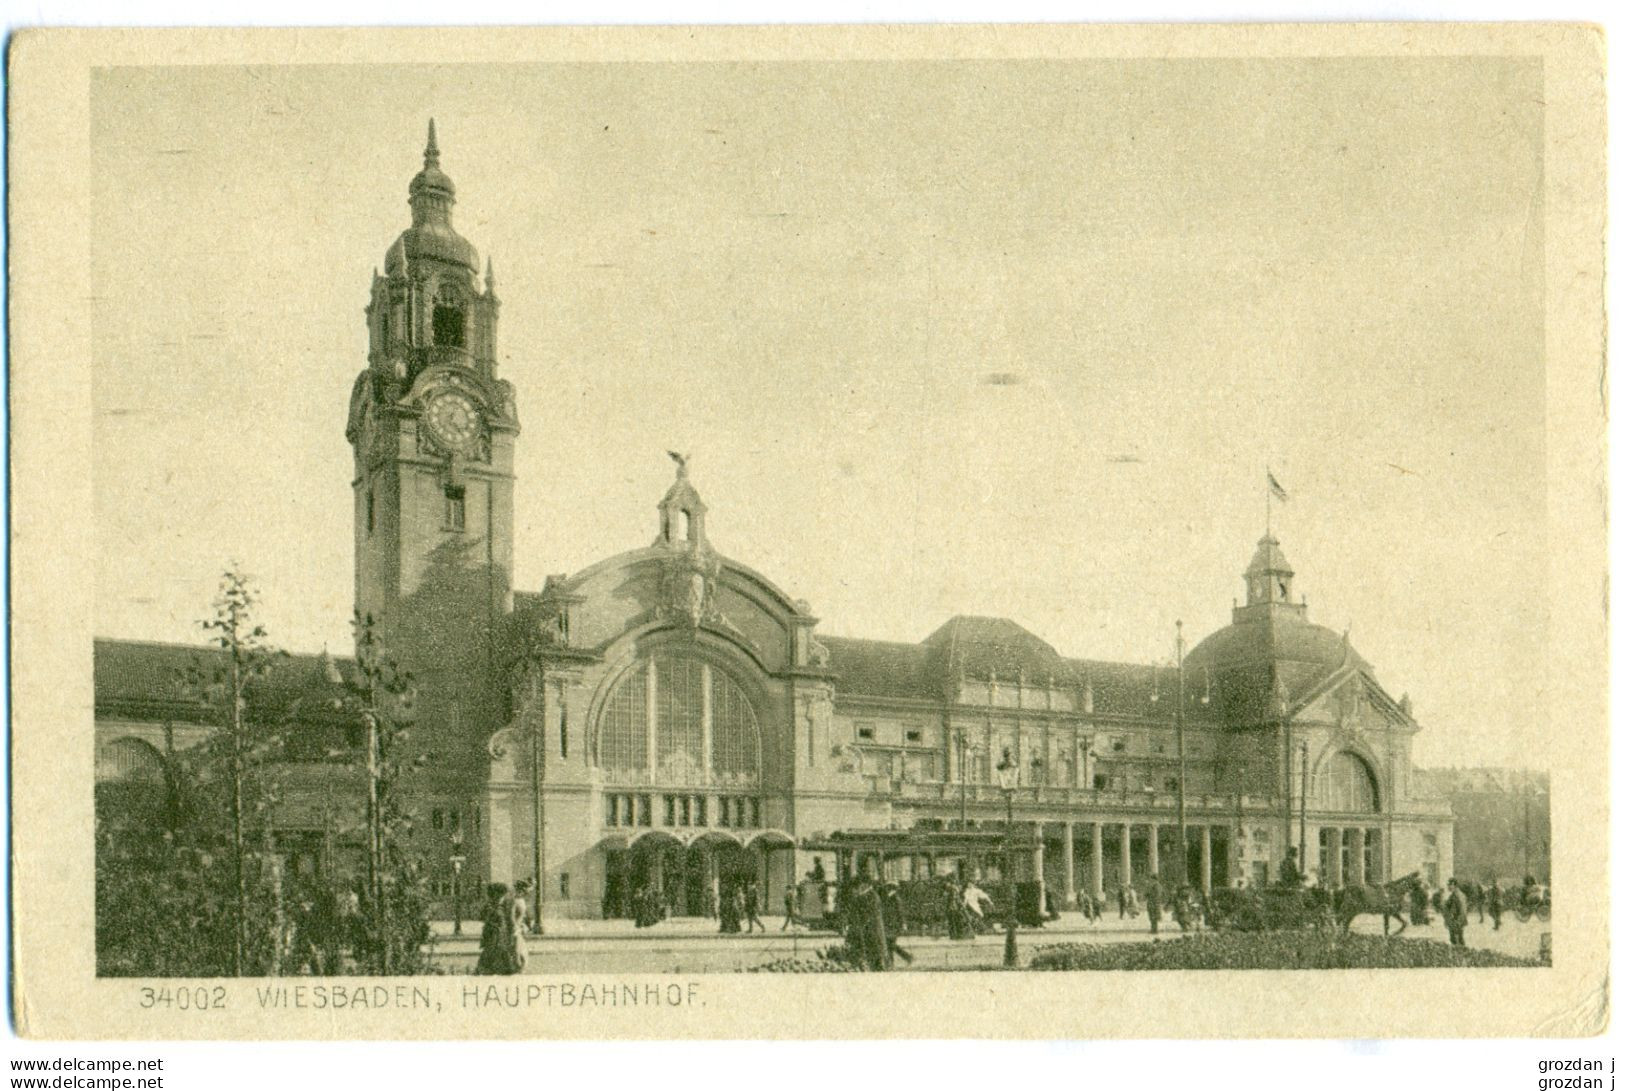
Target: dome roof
pixel 1281 637
pixel 436 241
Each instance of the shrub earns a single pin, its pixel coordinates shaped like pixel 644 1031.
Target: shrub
pixel 831 960
pixel 1268 951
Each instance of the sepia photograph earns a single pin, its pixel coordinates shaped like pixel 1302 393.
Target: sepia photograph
pixel 591 522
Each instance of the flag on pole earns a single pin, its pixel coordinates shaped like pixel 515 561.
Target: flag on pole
pixel 1275 487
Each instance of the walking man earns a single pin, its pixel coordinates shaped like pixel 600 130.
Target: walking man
pixel 753 908
pixel 1454 911
pixel 1493 897
pixel 789 908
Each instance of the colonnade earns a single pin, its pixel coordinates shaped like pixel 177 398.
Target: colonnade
pixel 1200 834
pixel 1347 855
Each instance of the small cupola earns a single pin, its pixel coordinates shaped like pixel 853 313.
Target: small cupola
pixel 682 512
pixel 1269 584
pixel 1269 576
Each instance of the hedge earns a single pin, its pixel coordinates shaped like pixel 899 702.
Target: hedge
pixel 1268 951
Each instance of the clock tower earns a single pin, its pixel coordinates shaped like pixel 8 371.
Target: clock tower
pixel 432 428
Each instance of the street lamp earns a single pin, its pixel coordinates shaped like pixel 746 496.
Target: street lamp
pixel 1179 742
pixel 457 861
pixel 963 741
pixel 1303 808
pixel 1007 771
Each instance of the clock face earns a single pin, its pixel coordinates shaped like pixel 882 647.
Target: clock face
pixel 455 422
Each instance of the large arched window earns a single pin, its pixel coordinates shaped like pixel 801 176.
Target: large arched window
pixel 129 761
pixel 1347 784
pixel 676 720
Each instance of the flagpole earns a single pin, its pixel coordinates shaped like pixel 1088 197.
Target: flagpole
pixel 1268 473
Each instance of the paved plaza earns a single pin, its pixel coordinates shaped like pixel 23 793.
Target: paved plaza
pixel 693 945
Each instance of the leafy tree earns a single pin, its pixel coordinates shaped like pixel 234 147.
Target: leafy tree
pixel 383 697
pixel 178 888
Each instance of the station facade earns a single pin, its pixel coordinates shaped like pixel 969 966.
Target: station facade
pixel 670 719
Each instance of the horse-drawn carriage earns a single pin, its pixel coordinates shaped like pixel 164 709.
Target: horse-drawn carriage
pixel 1533 900
pixel 1270 909
pixel 1280 908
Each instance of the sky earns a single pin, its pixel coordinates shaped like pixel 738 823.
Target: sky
pixel 1013 338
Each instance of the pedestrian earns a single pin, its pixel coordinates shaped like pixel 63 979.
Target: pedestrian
pixel 732 909
pixel 958 920
pixel 866 926
pixel 1133 898
pixel 352 925
pixel 1182 909
pixel 1153 904
pixel 304 941
pixel 1419 903
pixel 753 908
pixel 1086 906
pixel 496 940
pixel 891 915
pixel 1122 902
pixel 1290 873
pixel 1493 897
pixel 977 902
pixel 1454 910
pixel 519 912
pixel 789 908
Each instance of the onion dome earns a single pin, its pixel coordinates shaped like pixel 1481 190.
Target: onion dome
pixel 431 235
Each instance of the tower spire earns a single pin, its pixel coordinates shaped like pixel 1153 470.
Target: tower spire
pixel 431 151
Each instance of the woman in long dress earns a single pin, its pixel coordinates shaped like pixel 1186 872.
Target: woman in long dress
pixel 496 943
pixel 517 918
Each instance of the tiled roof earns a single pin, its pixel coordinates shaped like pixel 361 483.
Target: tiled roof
pixel 880 668
pixel 979 647
pixel 143 679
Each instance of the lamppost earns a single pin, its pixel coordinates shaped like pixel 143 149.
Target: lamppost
pixel 1007 771
pixel 1303 808
pixel 1179 743
pixel 963 742
pixel 457 861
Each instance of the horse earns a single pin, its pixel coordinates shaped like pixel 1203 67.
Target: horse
pixel 1390 899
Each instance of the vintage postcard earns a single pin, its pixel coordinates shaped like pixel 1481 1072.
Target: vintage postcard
pixel 827 532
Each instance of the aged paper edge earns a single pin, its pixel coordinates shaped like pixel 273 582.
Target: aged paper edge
pixel 56 994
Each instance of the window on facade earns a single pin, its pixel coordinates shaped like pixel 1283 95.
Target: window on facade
pixel 1102 782
pixel 1171 784
pixel 687 693
pixel 671 810
pixel 372 504
pixel 456 508
pixel 913 735
pixel 129 760
pixel 1119 744
pixel 866 731
pixel 456 819
pixel 564 732
pixel 437 818
pixel 564 885
pixel 1348 785
pixel 448 325
pixel 646 811
pixel 699 811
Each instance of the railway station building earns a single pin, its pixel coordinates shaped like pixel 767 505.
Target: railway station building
pixel 670 717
